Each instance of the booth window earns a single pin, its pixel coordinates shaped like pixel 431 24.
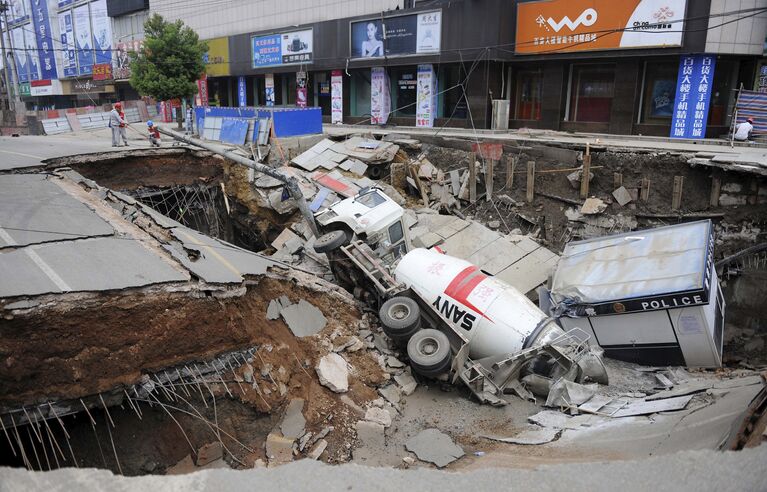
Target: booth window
pixel 659 91
pixel 591 95
pixel 527 104
pixel 360 93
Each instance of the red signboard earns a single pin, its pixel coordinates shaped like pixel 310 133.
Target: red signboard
pixel 202 90
pixel 102 71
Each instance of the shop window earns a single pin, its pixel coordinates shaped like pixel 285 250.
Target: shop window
pixel 404 83
pixel 360 93
pixel 527 103
pixel 591 95
pixel 451 101
pixel 322 90
pixel 659 91
pixel 723 92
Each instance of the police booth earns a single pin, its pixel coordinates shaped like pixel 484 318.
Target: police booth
pixel 650 297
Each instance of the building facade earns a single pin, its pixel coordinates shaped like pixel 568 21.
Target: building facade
pixel 572 65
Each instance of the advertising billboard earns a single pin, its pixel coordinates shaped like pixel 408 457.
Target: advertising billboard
pixel 43 34
pixel 693 93
pixel 68 53
pixel 22 67
pixel 426 98
pixel 83 40
pixel 414 34
pixel 217 58
pixel 102 32
pixel 33 57
pixel 556 26
pixel 17 11
pixel 121 60
pixel 380 97
pixel 336 97
pixel 288 48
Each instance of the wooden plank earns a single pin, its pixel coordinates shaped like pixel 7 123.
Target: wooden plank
pixel 511 164
pixel 530 180
pixel 716 187
pixel 617 180
pixel 645 193
pixel 489 178
pixel 586 174
pixel 753 195
pixel 676 197
pixel 473 178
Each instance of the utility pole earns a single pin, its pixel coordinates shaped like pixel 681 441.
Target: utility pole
pixel 15 87
pixel 6 65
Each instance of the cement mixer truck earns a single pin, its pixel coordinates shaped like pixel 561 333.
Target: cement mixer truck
pixel 455 320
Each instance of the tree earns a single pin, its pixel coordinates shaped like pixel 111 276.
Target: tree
pixel 170 61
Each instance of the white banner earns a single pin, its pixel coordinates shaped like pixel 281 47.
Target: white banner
pixel 380 98
pixel 21 56
pixel 33 57
pixel 269 89
pixel 426 97
pixel 102 31
pixel 83 40
pixel 337 97
pixel 67 33
pixel 429 32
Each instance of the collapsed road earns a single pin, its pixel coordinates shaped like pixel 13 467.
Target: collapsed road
pixel 133 342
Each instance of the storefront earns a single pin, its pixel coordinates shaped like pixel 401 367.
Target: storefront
pixel 565 77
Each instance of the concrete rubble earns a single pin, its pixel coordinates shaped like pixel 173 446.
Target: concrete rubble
pixel 434 446
pixel 333 373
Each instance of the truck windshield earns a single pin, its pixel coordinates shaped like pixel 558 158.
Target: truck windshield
pixel 371 200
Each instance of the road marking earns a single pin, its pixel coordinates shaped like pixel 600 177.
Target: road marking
pixel 213 252
pixel 23 154
pixel 47 270
pixel 41 264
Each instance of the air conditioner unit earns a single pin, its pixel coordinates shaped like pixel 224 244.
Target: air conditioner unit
pixel 500 114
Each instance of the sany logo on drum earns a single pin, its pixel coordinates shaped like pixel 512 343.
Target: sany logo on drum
pixel 459 290
pixel 587 18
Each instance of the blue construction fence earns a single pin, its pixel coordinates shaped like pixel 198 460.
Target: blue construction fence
pixel 236 125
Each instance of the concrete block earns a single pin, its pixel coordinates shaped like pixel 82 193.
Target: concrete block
pixel 210 452
pixel 279 449
pixel 333 373
pixel 622 196
pixel 379 416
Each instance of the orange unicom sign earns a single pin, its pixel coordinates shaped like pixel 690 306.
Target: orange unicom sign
pixel 555 26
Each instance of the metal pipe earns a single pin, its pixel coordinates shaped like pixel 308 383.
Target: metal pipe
pixel 291 183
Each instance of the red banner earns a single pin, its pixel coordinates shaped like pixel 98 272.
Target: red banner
pixel 202 90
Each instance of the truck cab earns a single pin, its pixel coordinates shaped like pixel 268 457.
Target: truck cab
pixel 370 216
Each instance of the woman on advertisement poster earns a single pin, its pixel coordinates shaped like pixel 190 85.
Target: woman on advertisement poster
pixel 372 46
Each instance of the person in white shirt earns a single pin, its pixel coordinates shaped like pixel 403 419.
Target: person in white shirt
pixel 743 131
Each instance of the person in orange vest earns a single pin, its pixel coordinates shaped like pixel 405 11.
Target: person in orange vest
pixel 154 133
pixel 117 124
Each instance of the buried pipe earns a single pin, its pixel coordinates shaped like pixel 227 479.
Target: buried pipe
pixel 291 183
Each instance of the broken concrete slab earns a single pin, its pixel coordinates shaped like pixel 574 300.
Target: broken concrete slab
pixel 687 389
pixel 391 393
pixel 273 310
pixel 407 382
pixel 208 453
pixel 564 393
pixel 371 438
pixel 318 449
pixel 334 373
pixel 293 423
pixel 622 196
pixel 303 319
pixel 593 206
pixel 279 449
pixel 283 238
pixel 433 446
pixel 648 407
pixel 529 437
pixel 379 416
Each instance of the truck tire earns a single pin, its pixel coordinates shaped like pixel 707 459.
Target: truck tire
pixel 330 241
pixel 401 318
pixel 429 352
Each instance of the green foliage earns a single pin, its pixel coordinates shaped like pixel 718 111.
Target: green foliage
pixel 170 61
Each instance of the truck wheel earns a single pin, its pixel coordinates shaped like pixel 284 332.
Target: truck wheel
pixel 401 318
pixel 429 352
pixel 330 241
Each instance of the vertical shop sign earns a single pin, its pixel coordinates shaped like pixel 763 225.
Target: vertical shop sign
pixel 19 52
pixel 380 97
pixel 42 22
pixel 336 97
pixel 202 90
pixel 242 93
pixel 693 92
pixel 66 28
pixel 83 40
pixel 426 97
pixel 301 93
pixel 269 89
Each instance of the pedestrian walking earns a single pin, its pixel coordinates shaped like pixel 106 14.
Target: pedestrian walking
pixel 154 134
pixel 117 124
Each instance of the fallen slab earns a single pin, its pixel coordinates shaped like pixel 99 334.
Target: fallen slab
pixel 303 319
pixel 529 437
pixel 433 446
